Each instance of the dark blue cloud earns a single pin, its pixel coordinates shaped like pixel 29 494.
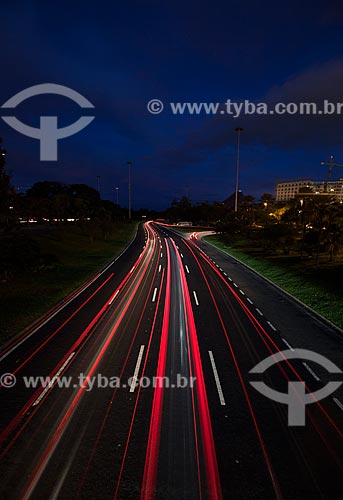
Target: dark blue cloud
pixel 120 55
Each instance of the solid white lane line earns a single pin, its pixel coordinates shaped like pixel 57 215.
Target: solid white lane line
pixel 216 378
pixel 187 269
pixel 107 267
pixel 159 268
pixel 135 373
pixel 271 326
pixel 309 369
pixel 259 312
pixel 114 296
pixel 287 344
pixel 154 295
pixel 338 403
pixel 53 380
pixel 195 298
pixel 249 300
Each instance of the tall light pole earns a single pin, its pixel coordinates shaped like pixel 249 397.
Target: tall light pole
pixel 129 163
pixel 98 183
pixel 238 130
pixel 117 195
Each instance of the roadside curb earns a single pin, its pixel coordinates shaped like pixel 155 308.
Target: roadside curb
pixel 314 314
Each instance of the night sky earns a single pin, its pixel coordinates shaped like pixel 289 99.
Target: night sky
pixel 119 55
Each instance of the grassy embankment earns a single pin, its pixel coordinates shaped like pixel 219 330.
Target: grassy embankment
pixel 25 296
pixel 320 287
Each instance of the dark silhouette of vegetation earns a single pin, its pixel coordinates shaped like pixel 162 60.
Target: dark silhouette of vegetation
pixel 44 208
pixel 6 192
pixel 310 225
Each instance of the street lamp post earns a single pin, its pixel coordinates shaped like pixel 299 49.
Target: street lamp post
pixel 117 195
pixel 98 183
pixel 238 130
pixel 129 163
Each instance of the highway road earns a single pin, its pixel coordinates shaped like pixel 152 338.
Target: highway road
pixel 138 386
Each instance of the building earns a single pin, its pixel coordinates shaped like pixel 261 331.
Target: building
pixel 286 190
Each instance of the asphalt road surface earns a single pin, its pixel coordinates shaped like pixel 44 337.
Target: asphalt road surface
pixel 138 386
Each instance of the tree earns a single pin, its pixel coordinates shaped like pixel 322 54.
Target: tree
pixel 278 235
pixel 6 191
pixel 47 200
pixel 267 198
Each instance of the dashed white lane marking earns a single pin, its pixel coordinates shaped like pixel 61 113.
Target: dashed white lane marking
pixel 161 254
pixel 225 274
pixel 338 403
pixel 271 326
pixel 235 284
pixel 181 255
pixel 287 344
pixel 53 380
pixel 309 369
pixel 159 268
pixel 259 312
pixel 229 278
pixel 241 291
pixel 135 373
pixel 187 269
pixel 249 300
pixel 114 296
pixel 195 298
pixel 154 295
pixel 221 269
pixel 216 378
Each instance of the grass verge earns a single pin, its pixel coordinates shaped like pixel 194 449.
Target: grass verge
pixel 319 287
pixel 28 295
